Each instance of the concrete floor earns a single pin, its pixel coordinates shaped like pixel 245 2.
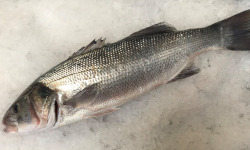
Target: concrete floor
pixel 209 111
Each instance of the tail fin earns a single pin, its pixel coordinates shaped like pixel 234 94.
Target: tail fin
pixel 236 31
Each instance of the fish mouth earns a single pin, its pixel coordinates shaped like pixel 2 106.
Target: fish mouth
pixel 10 125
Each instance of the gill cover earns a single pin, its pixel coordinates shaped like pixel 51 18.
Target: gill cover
pixel 45 104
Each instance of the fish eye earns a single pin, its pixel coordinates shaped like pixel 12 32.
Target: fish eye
pixel 15 108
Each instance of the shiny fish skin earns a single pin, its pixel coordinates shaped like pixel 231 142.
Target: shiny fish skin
pixel 99 78
pixel 128 68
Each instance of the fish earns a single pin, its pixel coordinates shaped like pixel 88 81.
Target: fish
pixel 99 78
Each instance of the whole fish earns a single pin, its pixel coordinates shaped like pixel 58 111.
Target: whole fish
pixel 100 77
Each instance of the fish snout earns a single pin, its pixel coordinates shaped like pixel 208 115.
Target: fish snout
pixel 10 124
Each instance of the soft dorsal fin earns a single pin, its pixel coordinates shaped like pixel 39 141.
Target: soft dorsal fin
pixel 188 71
pixel 91 46
pixel 154 29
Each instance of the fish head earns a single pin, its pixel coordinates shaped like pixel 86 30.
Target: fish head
pixel 35 109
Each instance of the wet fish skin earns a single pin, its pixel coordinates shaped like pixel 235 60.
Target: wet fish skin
pixel 121 71
pixel 101 77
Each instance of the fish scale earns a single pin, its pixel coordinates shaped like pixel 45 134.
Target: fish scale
pixel 130 67
pixel 124 51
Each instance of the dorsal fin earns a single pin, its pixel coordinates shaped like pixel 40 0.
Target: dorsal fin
pixel 154 29
pixel 91 46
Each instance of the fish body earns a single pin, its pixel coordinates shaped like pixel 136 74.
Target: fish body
pixel 118 72
pixel 99 78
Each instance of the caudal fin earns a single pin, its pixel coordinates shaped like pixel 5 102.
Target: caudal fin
pixel 235 31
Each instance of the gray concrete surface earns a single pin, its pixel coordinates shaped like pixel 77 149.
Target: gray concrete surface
pixel 209 111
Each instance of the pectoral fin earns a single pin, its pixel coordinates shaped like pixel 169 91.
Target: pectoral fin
pixel 84 98
pixel 188 71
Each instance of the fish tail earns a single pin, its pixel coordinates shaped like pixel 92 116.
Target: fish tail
pixel 235 31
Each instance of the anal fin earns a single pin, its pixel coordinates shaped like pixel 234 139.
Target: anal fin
pixel 188 71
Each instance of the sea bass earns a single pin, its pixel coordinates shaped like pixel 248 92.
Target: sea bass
pixel 100 77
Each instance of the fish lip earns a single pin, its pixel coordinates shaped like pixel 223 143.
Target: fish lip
pixel 10 126
pixel 10 123
pixel 10 129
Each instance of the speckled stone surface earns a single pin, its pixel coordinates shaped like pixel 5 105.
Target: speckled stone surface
pixel 208 111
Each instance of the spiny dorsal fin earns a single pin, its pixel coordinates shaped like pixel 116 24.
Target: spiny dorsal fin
pixel 188 71
pixel 154 29
pixel 91 46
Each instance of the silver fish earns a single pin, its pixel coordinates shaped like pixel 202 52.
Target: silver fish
pixel 100 77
